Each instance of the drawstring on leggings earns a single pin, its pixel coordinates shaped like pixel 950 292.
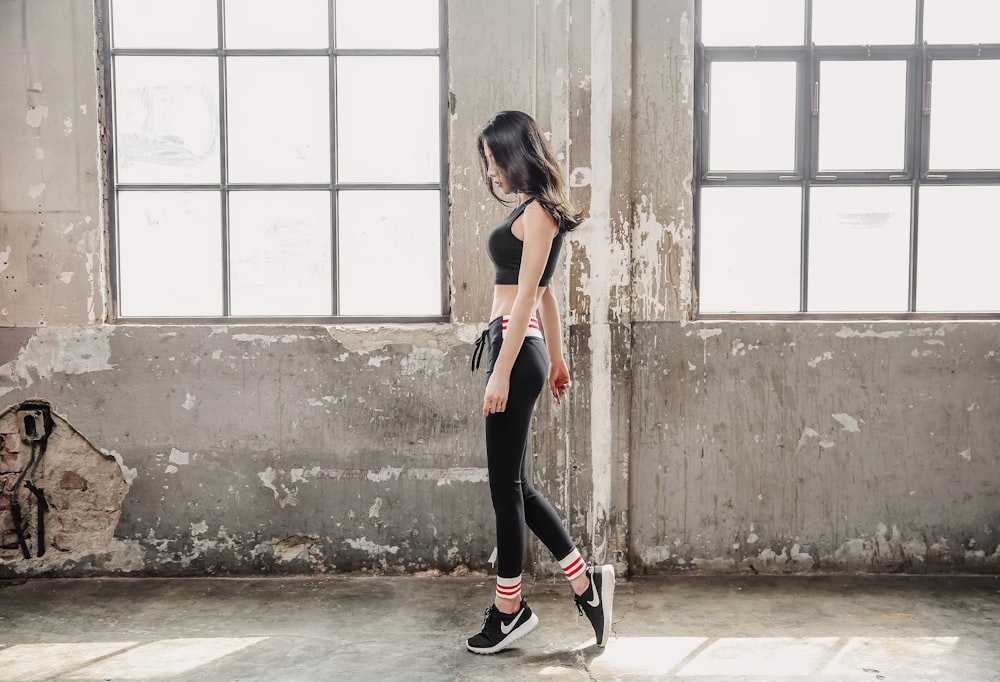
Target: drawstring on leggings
pixel 477 353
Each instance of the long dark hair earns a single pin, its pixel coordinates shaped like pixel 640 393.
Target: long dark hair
pixel 524 156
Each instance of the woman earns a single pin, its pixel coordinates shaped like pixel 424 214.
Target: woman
pixel 515 158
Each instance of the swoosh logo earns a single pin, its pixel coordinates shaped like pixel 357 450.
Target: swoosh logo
pixel 597 600
pixel 507 628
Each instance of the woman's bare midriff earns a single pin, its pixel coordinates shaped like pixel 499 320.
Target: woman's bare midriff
pixel 503 299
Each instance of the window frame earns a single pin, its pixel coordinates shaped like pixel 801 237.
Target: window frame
pixel 225 188
pixel 919 58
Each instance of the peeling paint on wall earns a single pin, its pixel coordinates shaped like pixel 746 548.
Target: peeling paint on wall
pixel 442 476
pixel 178 457
pixel 848 333
pixel 580 177
pixel 423 361
pixel 827 355
pixel 384 474
pixel 36 115
pixel 652 277
pixel 297 547
pixel 848 422
pixel 285 497
pixel 266 340
pixel 365 545
pixel 128 474
pixel 55 350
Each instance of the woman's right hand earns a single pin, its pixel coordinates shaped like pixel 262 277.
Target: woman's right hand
pixel 495 399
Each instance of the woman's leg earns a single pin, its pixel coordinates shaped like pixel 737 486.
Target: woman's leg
pixel 543 521
pixel 517 504
pixel 507 436
pixel 515 500
pixel 594 586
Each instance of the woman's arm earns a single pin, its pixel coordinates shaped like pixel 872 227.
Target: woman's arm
pixel 548 311
pixel 539 231
pixel 548 315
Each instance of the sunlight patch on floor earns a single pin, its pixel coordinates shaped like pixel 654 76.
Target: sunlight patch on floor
pixel 644 655
pixel 29 662
pixel 130 660
pixel 776 657
pixel 917 655
pixel 798 656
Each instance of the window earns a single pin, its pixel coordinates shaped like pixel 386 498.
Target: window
pixel 848 157
pixel 277 160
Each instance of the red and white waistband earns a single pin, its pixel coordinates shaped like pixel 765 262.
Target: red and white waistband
pixel 534 329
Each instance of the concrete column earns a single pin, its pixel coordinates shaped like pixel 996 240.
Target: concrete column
pixel 587 444
pixel 490 69
pixel 50 166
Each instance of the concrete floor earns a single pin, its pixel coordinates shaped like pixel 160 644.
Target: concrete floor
pixel 895 628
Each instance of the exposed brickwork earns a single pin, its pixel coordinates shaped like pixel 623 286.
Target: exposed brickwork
pixel 11 442
pixel 72 481
pixel 82 487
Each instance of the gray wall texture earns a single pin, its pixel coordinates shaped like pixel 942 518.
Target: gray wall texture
pixel 686 445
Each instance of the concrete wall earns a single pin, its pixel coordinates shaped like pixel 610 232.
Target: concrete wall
pixel 838 446
pixel 686 445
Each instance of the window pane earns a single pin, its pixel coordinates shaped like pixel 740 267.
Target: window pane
pixel 864 22
pixel 965 108
pixel 170 254
pixel 390 252
pixel 167 119
pixel 278 113
pixel 261 24
pixel 868 136
pixel 388 119
pixel 953 22
pixel 749 241
pixel 164 23
pixel 399 24
pixel 957 248
pixel 280 260
pixel 859 251
pixel 752 22
pixel 752 125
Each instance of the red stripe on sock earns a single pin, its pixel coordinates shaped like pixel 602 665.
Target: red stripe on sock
pixel 574 567
pixel 508 591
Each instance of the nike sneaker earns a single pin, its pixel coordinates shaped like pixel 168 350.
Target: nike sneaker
pixel 500 630
pixel 596 602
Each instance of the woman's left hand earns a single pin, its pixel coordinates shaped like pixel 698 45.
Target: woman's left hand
pixel 559 379
pixel 497 389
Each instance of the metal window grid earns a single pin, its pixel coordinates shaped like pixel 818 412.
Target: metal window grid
pixel 919 58
pixel 224 187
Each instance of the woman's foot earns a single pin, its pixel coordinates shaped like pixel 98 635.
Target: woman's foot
pixel 500 630
pixel 596 602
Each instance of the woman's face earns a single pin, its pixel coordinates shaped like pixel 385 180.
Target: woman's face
pixel 495 174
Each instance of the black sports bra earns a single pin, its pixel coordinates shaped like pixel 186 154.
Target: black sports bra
pixel 505 249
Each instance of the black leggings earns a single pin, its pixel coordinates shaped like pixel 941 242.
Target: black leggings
pixel 515 501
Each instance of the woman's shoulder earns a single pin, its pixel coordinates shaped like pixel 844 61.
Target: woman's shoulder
pixel 536 215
